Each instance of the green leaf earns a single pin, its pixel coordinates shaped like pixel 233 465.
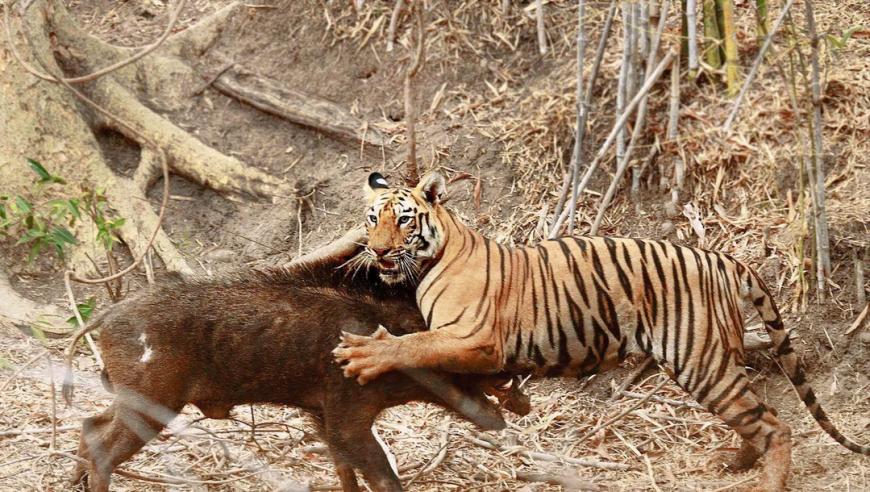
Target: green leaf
pixel 73 206
pixel 35 249
pixel 40 171
pixel 23 205
pixel 2 211
pixel 44 175
pixel 38 333
pixel 117 223
pixel 63 235
pixel 85 309
pixel 30 235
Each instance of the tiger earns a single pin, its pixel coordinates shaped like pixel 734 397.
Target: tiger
pixel 576 306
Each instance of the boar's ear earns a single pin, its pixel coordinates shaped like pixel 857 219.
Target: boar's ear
pixel 376 181
pixel 433 187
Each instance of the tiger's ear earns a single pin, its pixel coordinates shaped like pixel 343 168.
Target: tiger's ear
pixel 376 181
pixel 433 187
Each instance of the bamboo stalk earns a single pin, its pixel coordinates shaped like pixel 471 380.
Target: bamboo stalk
pixel 712 36
pixel 620 124
pixel 823 267
pixel 590 88
pixel 860 295
pixel 692 37
pixel 673 134
pixel 729 34
pixel 542 33
pixel 636 131
pixel 599 54
pixel 758 59
pixel 581 114
pixel 622 83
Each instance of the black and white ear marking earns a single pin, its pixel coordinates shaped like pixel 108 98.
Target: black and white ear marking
pixel 377 180
pixel 433 186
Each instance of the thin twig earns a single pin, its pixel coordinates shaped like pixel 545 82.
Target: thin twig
pixel 412 174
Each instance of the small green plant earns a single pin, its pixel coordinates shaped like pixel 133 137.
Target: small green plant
pixel 46 224
pixel 85 309
pixel 42 225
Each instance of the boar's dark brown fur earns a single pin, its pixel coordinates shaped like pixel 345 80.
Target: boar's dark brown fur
pixel 264 337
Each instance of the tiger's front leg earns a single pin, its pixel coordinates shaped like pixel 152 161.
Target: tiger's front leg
pixel 367 357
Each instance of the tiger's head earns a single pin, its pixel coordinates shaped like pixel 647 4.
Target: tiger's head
pixel 403 229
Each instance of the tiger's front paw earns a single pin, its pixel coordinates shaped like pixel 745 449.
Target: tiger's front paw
pixel 365 357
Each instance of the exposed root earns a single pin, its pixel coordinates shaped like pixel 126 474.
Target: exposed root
pixel 187 156
pixel 19 309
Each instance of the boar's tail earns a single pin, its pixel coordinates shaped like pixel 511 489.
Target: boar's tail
pixel 68 382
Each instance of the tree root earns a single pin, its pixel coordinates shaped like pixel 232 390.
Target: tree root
pixel 187 156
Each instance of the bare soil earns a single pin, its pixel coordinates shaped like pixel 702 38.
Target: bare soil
pixel 314 48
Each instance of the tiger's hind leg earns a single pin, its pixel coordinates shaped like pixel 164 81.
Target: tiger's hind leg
pixel 726 393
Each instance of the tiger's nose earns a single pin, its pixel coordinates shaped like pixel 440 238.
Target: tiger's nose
pixel 380 251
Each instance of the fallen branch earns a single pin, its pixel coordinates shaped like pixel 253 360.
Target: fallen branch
pixel 860 295
pixel 272 97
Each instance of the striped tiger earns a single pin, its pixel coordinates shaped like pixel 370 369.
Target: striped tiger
pixel 575 306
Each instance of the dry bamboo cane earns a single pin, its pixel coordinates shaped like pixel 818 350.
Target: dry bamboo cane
pixel 712 35
pixel 581 114
pixel 735 107
pixel 824 261
pixel 542 33
pixel 620 124
pixel 638 124
pixel 860 295
pixel 692 35
pixel 622 84
pixel 729 33
pixel 590 88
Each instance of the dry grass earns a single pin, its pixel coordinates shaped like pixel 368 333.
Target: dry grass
pixel 740 186
pixel 667 442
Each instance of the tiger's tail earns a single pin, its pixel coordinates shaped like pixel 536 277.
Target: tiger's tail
pixel 757 292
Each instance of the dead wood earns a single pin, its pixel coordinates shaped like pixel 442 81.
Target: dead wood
pixel 272 97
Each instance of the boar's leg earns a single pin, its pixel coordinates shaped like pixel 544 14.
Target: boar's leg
pixel 92 427
pixel 111 438
pixel 347 477
pixel 348 433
